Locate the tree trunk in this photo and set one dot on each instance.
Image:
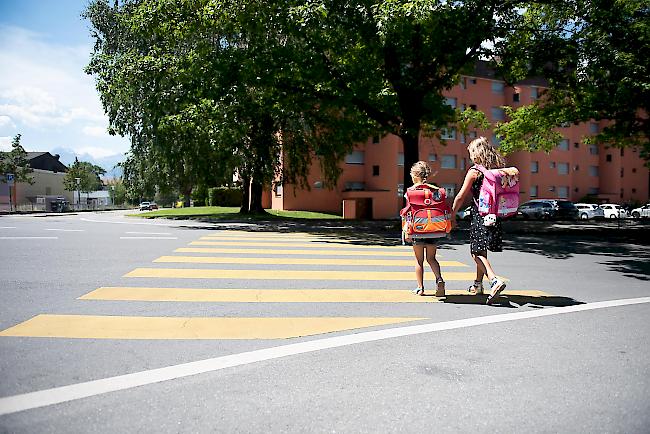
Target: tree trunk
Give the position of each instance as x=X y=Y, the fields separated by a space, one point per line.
x=256 y=196
x=187 y=195
x=410 y=135
x=245 y=197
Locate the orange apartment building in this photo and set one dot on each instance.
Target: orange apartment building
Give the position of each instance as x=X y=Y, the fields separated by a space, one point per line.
x=371 y=185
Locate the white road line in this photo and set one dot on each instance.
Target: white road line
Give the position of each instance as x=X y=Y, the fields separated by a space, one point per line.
x=66 y=230
x=148 y=238
x=149 y=233
x=29 y=238
x=7 y=227
x=57 y=395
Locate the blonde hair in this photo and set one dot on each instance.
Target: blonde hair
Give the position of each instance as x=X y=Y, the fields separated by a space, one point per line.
x=482 y=152
x=420 y=170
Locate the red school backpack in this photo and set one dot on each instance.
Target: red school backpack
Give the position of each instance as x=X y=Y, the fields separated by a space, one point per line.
x=426 y=214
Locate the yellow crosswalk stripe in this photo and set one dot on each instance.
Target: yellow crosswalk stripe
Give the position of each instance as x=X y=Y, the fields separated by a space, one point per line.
x=296 y=261
x=320 y=245
x=286 y=238
x=328 y=252
x=193 y=273
x=130 y=327
x=277 y=295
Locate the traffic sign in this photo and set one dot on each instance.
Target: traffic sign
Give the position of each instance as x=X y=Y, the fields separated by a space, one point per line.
x=10 y=179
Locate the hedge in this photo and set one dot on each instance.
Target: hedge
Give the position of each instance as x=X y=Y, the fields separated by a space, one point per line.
x=224 y=196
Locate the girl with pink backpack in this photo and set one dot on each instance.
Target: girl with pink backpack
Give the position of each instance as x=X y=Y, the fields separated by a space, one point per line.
x=485 y=229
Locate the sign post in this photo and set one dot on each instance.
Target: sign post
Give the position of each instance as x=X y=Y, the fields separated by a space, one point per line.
x=10 y=183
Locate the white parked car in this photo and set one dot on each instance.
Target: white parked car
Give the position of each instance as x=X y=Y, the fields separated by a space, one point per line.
x=641 y=212
x=588 y=211
x=613 y=211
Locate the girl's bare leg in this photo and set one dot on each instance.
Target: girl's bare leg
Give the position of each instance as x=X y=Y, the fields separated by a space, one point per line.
x=419 y=260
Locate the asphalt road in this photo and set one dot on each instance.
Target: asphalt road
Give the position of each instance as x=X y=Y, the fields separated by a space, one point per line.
x=116 y=324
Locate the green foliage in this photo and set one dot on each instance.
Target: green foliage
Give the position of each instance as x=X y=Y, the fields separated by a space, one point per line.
x=224 y=196
x=595 y=55
x=16 y=162
x=83 y=176
x=118 y=191
x=200 y=195
x=527 y=130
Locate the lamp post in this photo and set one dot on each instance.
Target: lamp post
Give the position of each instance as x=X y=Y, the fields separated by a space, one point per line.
x=112 y=195
x=78 y=181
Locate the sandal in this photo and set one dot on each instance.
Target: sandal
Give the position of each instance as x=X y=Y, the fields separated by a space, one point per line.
x=418 y=291
x=440 y=288
x=476 y=288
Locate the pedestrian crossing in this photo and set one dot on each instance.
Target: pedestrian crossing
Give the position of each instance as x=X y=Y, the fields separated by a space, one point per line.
x=258 y=268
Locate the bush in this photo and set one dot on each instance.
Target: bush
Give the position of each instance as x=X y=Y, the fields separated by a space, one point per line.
x=200 y=195
x=224 y=196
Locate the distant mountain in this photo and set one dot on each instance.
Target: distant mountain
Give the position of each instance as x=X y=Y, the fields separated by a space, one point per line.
x=67 y=156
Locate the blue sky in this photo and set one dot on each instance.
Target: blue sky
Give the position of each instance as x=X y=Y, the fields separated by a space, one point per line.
x=44 y=93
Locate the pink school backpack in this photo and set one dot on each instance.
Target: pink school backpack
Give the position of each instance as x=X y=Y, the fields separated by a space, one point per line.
x=499 y=193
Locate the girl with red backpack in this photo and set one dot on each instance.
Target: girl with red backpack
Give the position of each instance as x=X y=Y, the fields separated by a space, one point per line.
x=484 y=235
x=423 y=233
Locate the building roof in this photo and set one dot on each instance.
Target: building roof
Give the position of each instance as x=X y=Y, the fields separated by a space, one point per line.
x=46 y=161
x=483 y=69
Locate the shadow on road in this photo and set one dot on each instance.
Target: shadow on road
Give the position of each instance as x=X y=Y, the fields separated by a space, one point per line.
x=514 y=301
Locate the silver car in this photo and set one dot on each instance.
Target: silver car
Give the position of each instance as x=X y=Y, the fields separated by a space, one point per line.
x=587 y=211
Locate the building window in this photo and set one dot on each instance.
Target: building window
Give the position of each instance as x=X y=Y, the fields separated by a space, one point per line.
x=593 y=149
x=593 y=127
x=448 y=134
x=534 y=167
x=533 y=191
x=463 y=163
x=375 y=170
x=472 y=106
x=593 y=191
x=515 y=97
x=463 y=83
x=433 y=157
x=355 y=186
x=355 y=157
x=448 y=162
x=533 y=92
x=497 y=87
x=278 y=190
x=593 y=170
x=622 y=172
x=375 y=139
x=451 y=102
x=552 y=165
x=498 y=114
x=608 y=158
x=622 y=152
x=576 y=145
x=472 y=134
x=472 y=80
x=450 y=189
x=318 y=185
x=576 y=167
x=564 y=145
x=563 y=168
x=496 y=141
x=400 y=190
x=461 y=138
x=400 y=159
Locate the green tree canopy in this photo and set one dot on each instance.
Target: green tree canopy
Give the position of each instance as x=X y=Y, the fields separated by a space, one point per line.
x=15 y=162
x=595 y=55
x=83 y=176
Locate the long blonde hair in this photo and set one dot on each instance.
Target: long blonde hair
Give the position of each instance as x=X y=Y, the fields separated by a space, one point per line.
x=482 y=152
x=420 y=170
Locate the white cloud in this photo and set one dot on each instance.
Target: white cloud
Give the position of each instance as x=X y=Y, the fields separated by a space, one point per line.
x=5 y=144
x=46 y=95
x=96 y=152
x=94 y=131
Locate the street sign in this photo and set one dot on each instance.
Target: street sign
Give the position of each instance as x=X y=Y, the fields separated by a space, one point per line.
x=10 y=179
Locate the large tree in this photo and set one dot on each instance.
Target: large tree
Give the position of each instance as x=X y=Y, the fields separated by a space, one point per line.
x=83 y=176
x=596 y=57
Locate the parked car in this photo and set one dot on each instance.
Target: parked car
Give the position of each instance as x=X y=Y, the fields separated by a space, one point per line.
x=535 y=210
x=588 y=211
x=548 y=209
x=464 y=214
x=153 y=205
x=613 y=211
x=641 y=212
x=145 y=206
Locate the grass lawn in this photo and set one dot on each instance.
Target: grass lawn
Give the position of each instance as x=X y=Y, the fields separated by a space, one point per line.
x=232 y=213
